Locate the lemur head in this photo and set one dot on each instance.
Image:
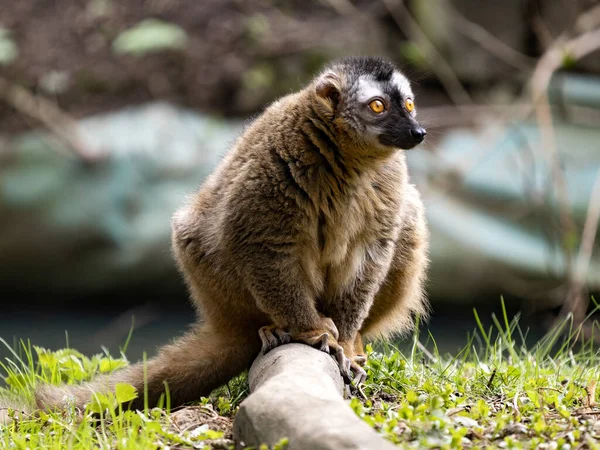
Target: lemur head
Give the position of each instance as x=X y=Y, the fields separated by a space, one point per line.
x=372 y=100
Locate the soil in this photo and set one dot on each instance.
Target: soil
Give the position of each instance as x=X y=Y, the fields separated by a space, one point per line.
x=188 y=419
x=239 y=54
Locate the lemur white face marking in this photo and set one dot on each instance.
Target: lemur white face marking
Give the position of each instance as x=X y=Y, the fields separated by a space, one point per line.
x=402 y=84
x=367 y=89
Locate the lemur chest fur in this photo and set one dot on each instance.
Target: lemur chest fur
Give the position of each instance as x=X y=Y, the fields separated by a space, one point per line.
x=352 y=232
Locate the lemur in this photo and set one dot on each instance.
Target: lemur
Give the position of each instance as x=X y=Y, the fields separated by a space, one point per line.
x=308 y=231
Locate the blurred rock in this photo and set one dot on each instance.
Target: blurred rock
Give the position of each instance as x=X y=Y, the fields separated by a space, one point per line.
x=80 y=227
x=72 y=226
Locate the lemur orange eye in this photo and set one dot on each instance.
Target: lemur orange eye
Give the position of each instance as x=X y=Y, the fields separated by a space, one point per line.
x=409 y=105
x=377 y=106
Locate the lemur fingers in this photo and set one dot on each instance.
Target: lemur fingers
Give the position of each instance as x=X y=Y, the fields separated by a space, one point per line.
x=361 y=360
x=272 y=336
x=360 y=375
x=324 y=339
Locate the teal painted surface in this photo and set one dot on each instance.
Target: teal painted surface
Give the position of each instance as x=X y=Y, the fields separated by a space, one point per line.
x=99 y=227
x=496 y=218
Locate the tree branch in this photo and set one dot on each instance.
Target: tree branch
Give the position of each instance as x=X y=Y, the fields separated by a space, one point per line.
x=296 y=393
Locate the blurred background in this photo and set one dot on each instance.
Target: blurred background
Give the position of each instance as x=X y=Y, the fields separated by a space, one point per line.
x=111 y=112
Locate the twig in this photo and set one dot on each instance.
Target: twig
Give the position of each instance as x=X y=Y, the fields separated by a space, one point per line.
x=469 y=115
x=584 y=411
x=539 y=28
x=588 y=238
x=575 y=48
x=439 y=65
x=515 y=404
x=590 y=392
x=427 y=352
x=452 y=411
x=343 y=7
x=588 y=20
x=515 y=112
x=548 y=389
x=551 y=61
x=48 y=114
x=489 y=42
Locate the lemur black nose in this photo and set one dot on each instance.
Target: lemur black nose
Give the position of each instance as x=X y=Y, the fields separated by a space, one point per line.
x=418 y=133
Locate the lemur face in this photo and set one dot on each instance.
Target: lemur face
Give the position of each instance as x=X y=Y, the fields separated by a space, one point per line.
x=384 y=110
x=375 y=101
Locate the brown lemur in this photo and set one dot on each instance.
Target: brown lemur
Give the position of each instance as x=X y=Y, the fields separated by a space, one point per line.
x=308 y=231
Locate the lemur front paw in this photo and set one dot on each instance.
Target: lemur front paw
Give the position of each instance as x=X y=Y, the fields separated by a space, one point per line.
x=353 y=365
x=361 y=360
x=272 y=336
x=355 y=360
x=325 y=339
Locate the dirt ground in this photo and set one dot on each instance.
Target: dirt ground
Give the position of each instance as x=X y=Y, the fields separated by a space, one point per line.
x=239 y=54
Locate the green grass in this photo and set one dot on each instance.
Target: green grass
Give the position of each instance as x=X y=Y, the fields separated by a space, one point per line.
x=495 y=393
x=204 y=425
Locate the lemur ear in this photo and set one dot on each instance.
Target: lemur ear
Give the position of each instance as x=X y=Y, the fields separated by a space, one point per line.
x=329 y=87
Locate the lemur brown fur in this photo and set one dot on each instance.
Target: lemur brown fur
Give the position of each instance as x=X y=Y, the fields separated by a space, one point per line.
x=306 y=231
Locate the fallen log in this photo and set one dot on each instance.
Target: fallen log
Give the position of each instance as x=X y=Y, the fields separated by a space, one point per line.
x=296 y=392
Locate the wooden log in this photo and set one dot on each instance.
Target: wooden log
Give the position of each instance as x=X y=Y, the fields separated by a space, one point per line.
x=296 y=392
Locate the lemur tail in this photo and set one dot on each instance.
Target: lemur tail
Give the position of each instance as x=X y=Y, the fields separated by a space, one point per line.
x=192 y=366
x=19 y=406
